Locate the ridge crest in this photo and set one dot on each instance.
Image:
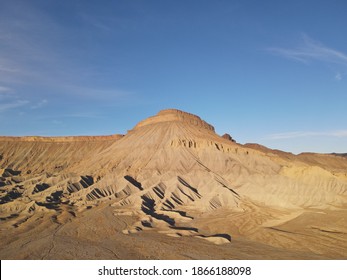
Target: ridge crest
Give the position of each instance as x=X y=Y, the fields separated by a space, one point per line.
x=175 y=115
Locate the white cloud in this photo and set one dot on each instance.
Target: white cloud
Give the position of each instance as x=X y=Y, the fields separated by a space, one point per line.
x=339 y=133
x=301 y=134
x=56 y=122
x=6 y=69
x=11 y=105
x=95 y=22
x=311 y=50
x=5 y=90
x=28 y=50
x=6 y=93
x=31 y=56
x=338 y=76
x=97 y=93
x=40 y=104
x=10 y=100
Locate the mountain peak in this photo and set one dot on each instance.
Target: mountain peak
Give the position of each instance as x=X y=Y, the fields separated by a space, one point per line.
x=173 y=176
x=174 y=115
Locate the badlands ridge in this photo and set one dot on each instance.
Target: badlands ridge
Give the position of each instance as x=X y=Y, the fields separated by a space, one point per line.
x=171 y=188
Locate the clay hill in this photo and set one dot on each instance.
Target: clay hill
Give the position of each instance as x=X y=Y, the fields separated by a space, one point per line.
x=171 y=188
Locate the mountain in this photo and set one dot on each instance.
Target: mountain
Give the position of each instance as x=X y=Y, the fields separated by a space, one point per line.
x=341 y=155
x=170 y=188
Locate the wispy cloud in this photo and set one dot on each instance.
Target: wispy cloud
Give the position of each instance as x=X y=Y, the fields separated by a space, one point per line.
x=65 y=117
x=10 y=100
x=311 y=50
x=31 y=51
x=42 y=58
x=40 y=104
x=25 y=50
x=5 y=89
x=301 y=134
x=6 y=69
x=11 y=105
x=88 y=115
x=100 y=24
x=338 y=76
x=97 y=93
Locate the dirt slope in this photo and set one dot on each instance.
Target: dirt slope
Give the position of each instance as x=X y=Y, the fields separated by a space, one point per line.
x=172 y=181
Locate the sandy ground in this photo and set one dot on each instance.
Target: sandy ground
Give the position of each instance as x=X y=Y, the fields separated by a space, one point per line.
x=97 y=234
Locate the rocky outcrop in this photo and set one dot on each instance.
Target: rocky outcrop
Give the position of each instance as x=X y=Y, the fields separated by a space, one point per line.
x=172 y=115
x=228 y=137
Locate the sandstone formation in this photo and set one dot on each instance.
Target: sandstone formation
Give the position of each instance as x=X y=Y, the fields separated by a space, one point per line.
x=228 y=137
x=170 y=183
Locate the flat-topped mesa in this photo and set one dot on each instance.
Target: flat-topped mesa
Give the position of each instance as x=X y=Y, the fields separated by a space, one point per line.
x=174 y=115
x=60 y=138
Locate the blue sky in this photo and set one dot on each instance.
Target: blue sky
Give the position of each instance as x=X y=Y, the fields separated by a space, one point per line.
x=270 y=72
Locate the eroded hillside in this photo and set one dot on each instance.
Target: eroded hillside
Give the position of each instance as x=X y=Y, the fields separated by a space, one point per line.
x=172 y=181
